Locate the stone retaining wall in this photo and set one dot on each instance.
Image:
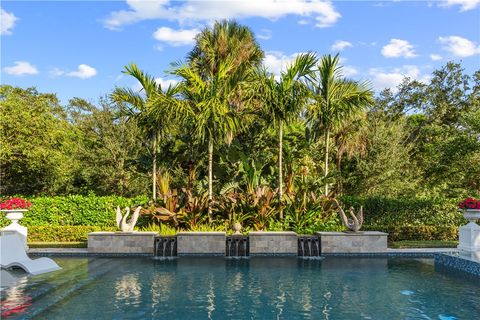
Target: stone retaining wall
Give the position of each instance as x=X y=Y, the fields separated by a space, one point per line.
x=353 y=242
x=268 y=242
x=121 y=242
x=208 y=243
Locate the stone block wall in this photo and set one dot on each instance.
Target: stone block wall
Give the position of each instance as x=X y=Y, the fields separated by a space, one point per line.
x=212 y=243
x=121 y=242
x=353 y=242
x=268 y=242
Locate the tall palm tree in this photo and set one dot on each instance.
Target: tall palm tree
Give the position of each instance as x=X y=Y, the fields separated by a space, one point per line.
x=334 y=100
x=215 y=78
x=154 y=126
x=283 y=99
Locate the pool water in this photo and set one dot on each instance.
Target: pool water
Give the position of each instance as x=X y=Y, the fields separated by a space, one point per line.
x=255 y=288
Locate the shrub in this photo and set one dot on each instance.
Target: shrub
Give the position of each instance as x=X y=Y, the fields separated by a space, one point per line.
x=408 y=211
x=63 y=233
x=425 y=232
x=75 y=210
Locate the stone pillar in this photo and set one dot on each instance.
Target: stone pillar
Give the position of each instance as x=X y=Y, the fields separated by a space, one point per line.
x=469 y=237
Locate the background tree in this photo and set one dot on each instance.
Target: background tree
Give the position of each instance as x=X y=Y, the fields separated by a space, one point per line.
x=334 y=100
x=155 y=127
x=38 y=143
x=217 y=68
x=109 y=150
x=282 y=100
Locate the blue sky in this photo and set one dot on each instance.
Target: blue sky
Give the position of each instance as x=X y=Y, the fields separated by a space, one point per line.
x=79 y=48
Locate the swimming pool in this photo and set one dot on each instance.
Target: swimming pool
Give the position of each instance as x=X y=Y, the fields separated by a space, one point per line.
x=254 y=288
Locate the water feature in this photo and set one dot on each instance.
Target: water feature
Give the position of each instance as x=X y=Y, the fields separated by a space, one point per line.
x=237 y=246
x=308 y=246
x=165 y=246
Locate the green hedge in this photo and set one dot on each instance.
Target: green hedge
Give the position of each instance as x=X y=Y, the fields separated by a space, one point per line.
x=75 y=210
x=71 y=218
x=408 y=211
x=425 y=232
x=63 y=233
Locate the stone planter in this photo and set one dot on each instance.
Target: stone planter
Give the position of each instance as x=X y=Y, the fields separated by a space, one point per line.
x=201 y=243
x=122 y=242
x=14 y=216
x=273 y=243
x=353 y=242
x=472 y=215
x=469 y=234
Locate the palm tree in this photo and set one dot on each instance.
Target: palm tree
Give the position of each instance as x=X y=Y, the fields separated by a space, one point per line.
x=283 y=99
x=334 y=100
x=155 y=125
x=215 y=78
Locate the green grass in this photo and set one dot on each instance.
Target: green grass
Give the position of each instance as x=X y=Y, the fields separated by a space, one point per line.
x=79 y=244
x=423 y=244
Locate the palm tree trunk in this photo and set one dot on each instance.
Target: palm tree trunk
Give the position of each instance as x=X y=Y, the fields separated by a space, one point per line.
x=154 y=169
x=210 y=178
x=280 y=168
x=327 y=139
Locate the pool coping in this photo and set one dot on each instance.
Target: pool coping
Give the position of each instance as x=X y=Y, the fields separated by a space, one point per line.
x=415 y=252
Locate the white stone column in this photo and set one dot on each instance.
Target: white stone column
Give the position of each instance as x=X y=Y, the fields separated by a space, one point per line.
x=469 y=238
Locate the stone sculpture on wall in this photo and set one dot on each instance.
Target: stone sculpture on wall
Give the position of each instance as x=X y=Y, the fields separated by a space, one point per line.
x=355 y=221
x=122 y=223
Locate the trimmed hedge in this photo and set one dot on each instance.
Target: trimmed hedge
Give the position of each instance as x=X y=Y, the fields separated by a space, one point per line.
x=408 y=211
x=63 y=233
x=424 y=232
x=71 y=218
x=75 y=210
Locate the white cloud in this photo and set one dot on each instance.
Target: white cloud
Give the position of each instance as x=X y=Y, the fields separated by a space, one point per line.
x=465 y=5
x=21 y=68
x=264 y=34
x=435 y=57
x=398 y=48
x=340 y=45
x=56 y=72
x=382 y=79
x=323 y=12
x=176 y=37
x=7 y=22
x=276 y=61
x=349 y=71
x=458 y=46
x=83 y=71
x=165 y=83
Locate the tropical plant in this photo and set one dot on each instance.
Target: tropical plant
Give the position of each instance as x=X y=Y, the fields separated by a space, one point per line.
x=213 y=78
x=282 y=101
x=155 y=123
x=334 y=100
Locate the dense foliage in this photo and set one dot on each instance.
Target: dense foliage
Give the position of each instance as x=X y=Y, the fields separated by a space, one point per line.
x=75 y=210
x=232 y=142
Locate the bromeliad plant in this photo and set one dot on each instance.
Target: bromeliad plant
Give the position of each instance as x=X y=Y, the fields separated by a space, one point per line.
x=469 y=203
x=15 y=203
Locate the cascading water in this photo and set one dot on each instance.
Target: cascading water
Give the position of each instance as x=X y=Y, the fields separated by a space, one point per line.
x=237 y=246
x=165 y=247
x=308 y=246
